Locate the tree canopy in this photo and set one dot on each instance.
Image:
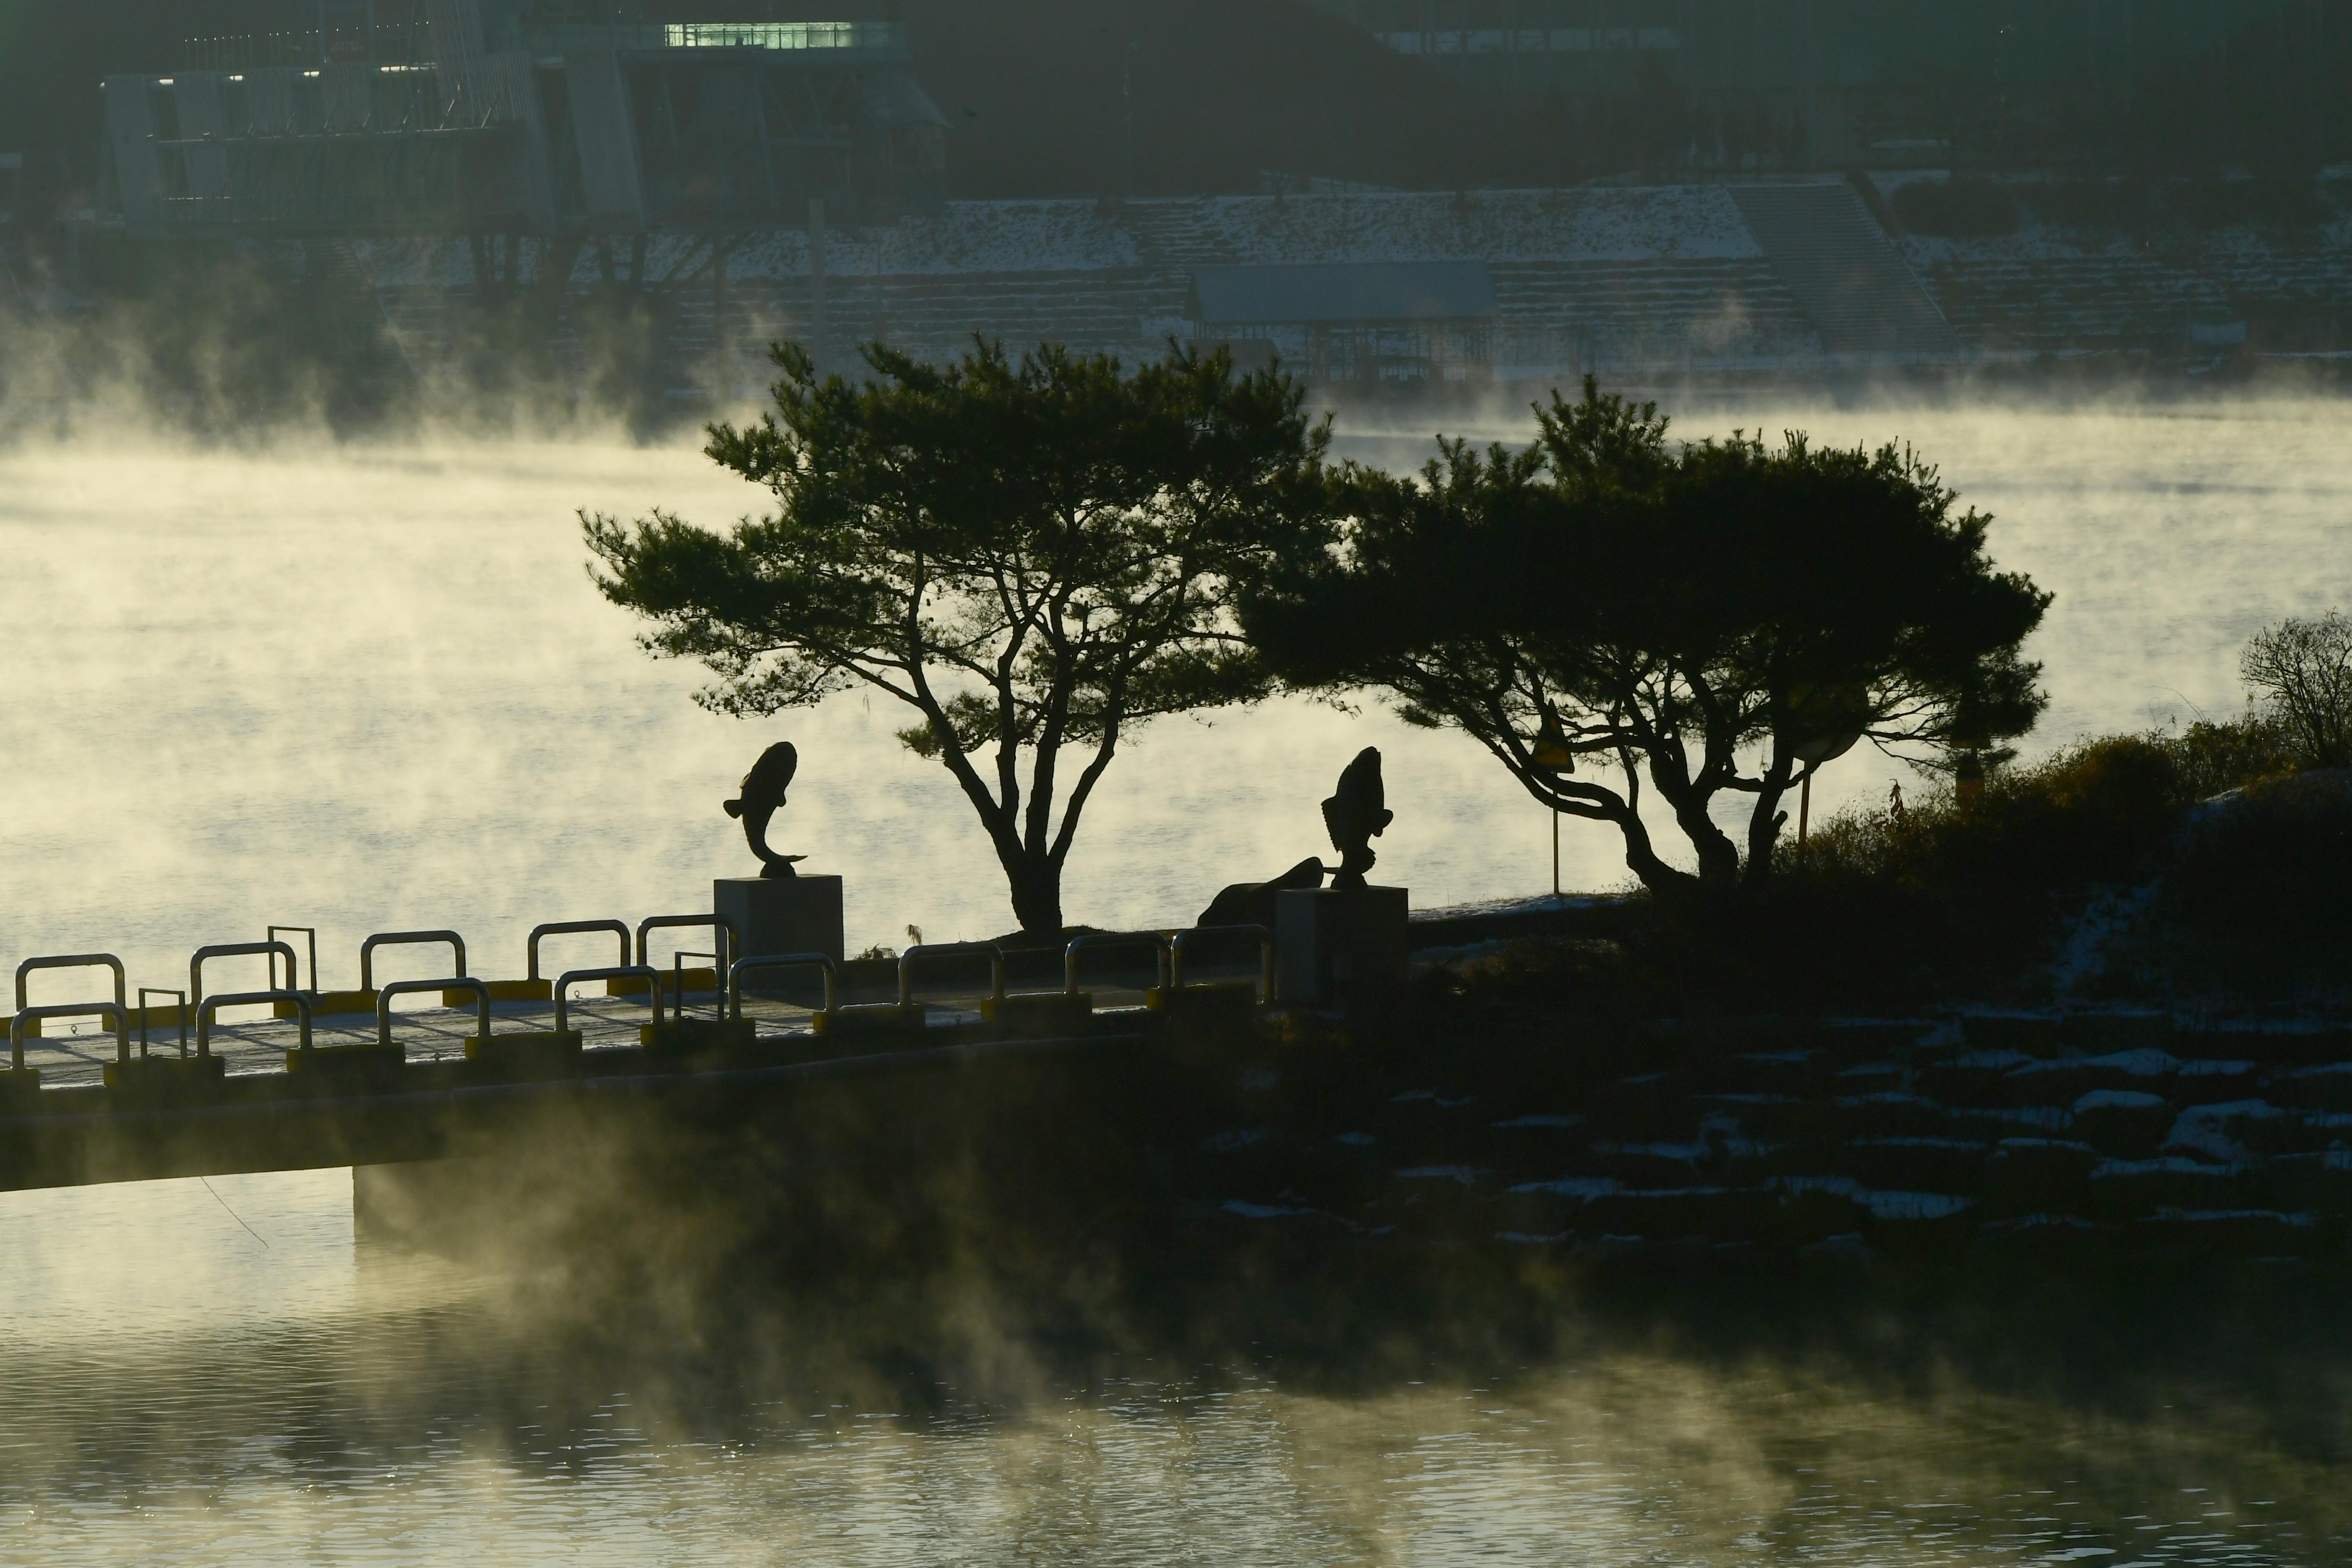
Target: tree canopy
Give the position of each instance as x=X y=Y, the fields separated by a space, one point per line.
x=1711 y=617
x=1035 y=555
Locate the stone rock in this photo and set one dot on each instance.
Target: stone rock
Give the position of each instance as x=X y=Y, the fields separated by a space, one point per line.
x=2270 y=1045
x=2025 y=1034
x=2066 y=1080
x=1920 y=1221
x=2049 y=1237
x=1757 y=1116
x=2327 y=1087
x=1524 y=1148
x=2239 y=1233
x=2038 y=1175
x=1851 y=1040
x=1870 y=1078
x=1798 y=1073
x=2117 y=1029
x=1722 y=1213
x=2122 y=1123
x=1550 y=1208
x=1950 y=1165
x=1884 y=1116
x=1974 y=1078
x=2013 y=1122
x=1651 y=1166
x=2319 y=1183
x=1847 y=1248
x=2230 y=1132
x=2128 y=1189
x=2205 y=1081
x=1644 y=1105
x=1424 y=1127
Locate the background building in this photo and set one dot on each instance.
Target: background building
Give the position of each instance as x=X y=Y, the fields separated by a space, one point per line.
x=1744 y=84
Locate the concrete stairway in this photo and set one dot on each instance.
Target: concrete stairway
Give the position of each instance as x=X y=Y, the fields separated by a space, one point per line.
x=1844 y=271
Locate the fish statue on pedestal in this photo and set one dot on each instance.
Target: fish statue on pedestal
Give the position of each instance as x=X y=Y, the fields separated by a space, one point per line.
x=763 y=794
x=1356 y=814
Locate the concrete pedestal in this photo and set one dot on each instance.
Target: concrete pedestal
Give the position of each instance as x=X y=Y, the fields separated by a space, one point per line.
x=781 y=914
x=1339 y=947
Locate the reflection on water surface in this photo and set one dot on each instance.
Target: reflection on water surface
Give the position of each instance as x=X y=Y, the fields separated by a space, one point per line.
x=175 y=1399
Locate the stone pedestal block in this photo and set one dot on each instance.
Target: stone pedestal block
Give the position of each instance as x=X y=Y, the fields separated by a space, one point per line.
x=1339 y=947
x=781 y=914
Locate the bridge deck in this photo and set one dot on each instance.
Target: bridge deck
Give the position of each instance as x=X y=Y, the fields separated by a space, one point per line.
x=258 y=1045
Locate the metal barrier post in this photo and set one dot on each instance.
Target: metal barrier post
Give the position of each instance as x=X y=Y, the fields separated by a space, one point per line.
x=614 y=972
x=408 y=988
x=116 y=1010
x=1265 y=956
x=211 y=1006
x=405 y=938
x=723 y=928
x=823 y=961
x=562 y=928
x=70 y=960
x=180 y=1012
x=1159 y=940
x=294 y=982
x=930 y=950
x=237 y=950
x=677 y=980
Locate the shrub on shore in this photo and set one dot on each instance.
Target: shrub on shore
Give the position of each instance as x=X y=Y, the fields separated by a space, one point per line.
x=1969 y=893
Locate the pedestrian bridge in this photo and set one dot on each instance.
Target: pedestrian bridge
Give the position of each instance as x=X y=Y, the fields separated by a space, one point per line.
x=286 y=1076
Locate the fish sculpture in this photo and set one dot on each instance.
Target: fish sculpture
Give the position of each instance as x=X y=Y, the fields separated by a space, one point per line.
x=763 y=794
x=1356 y=814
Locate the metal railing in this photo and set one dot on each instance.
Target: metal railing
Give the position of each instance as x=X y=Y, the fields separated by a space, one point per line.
x=210 y=1005
x=570 y=977
x=568 y=928
x=942 y=950
x=241 y=949
x=25 y=1016
x=294 y=982
x=721 y=926
x=69 y=961
x=179 y=1011
x=1159 y=953
x=409 y=987
x=822 y=961
x=408 y=939
x=1265 y=954
x=677 y=980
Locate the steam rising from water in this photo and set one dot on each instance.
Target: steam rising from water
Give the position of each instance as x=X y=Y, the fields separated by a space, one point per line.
x=280 y=1409
x=370 y=688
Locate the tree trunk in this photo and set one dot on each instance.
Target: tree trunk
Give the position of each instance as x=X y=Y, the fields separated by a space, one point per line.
x=1641 y=859
x=1036 y=884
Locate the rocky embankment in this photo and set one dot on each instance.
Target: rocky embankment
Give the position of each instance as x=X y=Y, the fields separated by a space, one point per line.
x=2074 y=1136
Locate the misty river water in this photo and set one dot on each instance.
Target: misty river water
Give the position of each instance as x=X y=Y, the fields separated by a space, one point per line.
x=367 y=688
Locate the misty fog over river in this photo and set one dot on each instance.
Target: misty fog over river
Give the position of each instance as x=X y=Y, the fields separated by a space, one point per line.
x=370 y=688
